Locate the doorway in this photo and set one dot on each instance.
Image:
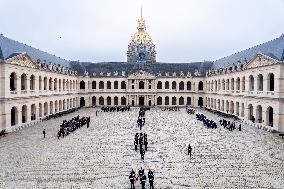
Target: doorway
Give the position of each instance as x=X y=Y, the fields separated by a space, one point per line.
x=141 y=101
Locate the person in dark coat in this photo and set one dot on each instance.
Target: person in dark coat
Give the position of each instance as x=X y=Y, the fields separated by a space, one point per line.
x=143 y=181
x=151 y=179
x=240 y=127
x=142 y=153
x=43 y=132
x=135 y=144
x=189 y=150
x=132 y=180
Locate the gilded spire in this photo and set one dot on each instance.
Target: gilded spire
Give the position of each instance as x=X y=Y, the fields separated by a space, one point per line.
x=141 y=22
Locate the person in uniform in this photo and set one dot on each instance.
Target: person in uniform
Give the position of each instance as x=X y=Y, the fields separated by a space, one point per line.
x=189 y=150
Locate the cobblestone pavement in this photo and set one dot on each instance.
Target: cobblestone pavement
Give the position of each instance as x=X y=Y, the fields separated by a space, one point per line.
x=103 y=155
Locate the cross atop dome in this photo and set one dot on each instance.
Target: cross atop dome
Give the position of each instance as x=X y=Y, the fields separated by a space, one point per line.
x=141 y=22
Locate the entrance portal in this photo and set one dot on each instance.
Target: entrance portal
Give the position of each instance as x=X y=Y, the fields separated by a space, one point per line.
x=82 y=101
x=141 y=101
x=200 y=101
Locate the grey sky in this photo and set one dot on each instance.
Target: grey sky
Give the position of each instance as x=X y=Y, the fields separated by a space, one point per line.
x=183 y=30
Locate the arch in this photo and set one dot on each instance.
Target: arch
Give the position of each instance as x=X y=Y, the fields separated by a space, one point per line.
x=94 y=99
x=243 y=83
x=174 y=101
x=141 y=84
x=223 y=84
x=250 y=113
x=237 y=108
x=115 y=85
x=167 y=100
x=188 y=100
x=64 y=104
x=167 y=85
x=159 y=85
x=82 y=102
x=101 y=85
x=56 y=106
x=259 y=83
x=24 y=82
x=200 y=101
x=232 y=106
x=238 y=84
x=94 y=84
x=243 y=110
x=259 y=114
x=200 y=85
x=188 y=86
x=24 y=114
x=55 y=84
x=123 y=101
x=14 y=116
x=251 y=83
x=227 y=106
x=218 y=104
x=181 y=101
x=108 y=85
x=269 y=116
x=174 y=85
x=108 y=100
x=13 y=82
x=101 y=101
x=60 y=105
x=51 y=107
x=181 y=86
x=115 y=100
x=123 y=85
x=232 y=84
x=50 y=83
x=82 y=84
x=33 y=112
x=159 y=101
x=227 y=84
x=45 y=109
x=40 y=83
x=270 y=82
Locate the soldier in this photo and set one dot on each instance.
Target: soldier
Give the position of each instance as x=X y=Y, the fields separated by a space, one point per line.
x=132 y=179
x=240 y=127
x=146 y=144
x=135 y=144
x=142 y=152
x=143 y=181
x=43 y=132
x=151 y=179
x=141 y=173
x=189 y=150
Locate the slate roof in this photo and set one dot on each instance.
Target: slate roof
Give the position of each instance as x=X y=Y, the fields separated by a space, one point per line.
x=273 y=48
x=9 y=47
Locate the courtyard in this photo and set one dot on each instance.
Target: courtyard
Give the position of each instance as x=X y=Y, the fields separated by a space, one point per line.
x=103 y=155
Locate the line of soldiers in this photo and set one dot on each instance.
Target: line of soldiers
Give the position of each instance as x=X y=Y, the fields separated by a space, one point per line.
x=141 y=139
x=174 y=108
x=206 y=122
x=115 y=108
x=142 y=177
x=229 y=125
x=70 y=126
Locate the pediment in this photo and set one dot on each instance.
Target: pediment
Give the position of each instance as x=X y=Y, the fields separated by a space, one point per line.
x=260 y=60
x=23 y=60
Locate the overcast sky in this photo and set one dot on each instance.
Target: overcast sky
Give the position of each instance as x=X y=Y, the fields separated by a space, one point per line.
x=182 y=30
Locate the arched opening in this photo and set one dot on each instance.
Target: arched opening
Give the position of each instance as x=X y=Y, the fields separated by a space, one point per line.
x=181 y=101
x=237 y=108
x=251 y=83
x=108 y=101
x=50 y=84
x=60 y=105
x=232 y=84
x=82 y=102
x=24 y=114
x=32 y=83
x=45 y=109
x=82 y=84
x=45 y=83
x=218 y=104
x=188 y=100
x=94 y=99
x=227 y=106
x=167 y=100
x=159 y=85
x=123 y=85
x=188 y=86
x=56 y=106
x=115 y=85
x=223 y=84
x=40 y=110
x=94 y=84
x=181 y=86
x=13 y=81
x=141 y=100
x=141 y=84
x=270 y=83
x=200 y=85
x=260 y=82
x=64 y=105
x=150 y=103
x=50 y=107
x=243 y=83
x=200 y=101
x=101 y=85
x=123 y=101
x=174 y=101
x=167 y=85
x=232 y=106
x=101 y=101
x=115 y=100
x=55 y=84
x=238 y=84
x=259 y=114
x=40 y=83
x=24 y=82
x=250 y=113
x=14 y=116
x=159 y=101
x=269 y=116
x=33 y=112
x=227 y=84
x=174 y=85
x=108 y=85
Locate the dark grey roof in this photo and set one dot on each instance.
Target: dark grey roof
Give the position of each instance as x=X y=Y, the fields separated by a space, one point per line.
x=273 y=48
x=129 y=68
x=9 y=46
x=13 y=54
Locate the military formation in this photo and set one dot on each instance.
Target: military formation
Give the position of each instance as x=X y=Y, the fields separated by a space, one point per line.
x=141 y=139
